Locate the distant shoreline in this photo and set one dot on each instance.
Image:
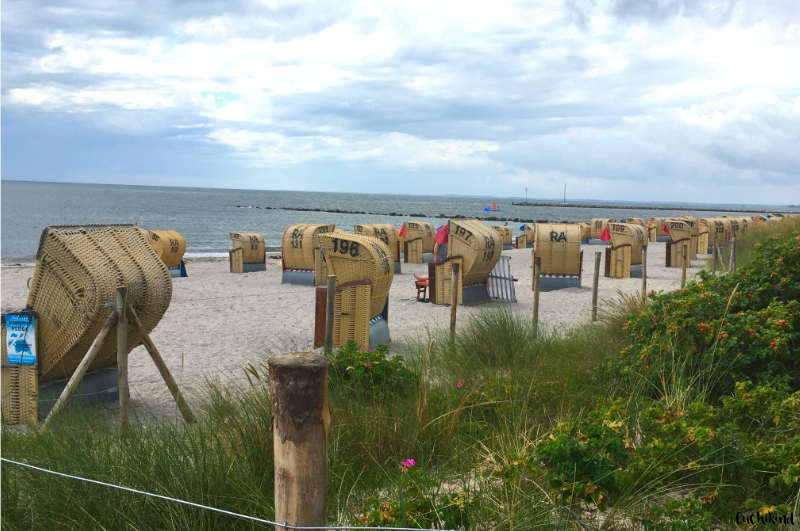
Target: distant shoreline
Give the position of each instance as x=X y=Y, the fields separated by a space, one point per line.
x=636 y=207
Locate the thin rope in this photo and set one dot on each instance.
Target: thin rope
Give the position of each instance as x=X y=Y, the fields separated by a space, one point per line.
x=200 y=506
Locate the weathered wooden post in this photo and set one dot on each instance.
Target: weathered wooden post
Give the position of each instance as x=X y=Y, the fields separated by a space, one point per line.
x=122 y=356
x=454 y=288
x=684 y=261
x=714 y=259
x=329 y=311
x=597 y=257
x=537 y=267
x=644 y=272
x=732 y=263
x=301 y=423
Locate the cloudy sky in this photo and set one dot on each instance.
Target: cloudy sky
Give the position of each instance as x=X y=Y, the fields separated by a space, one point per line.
x=674 y=100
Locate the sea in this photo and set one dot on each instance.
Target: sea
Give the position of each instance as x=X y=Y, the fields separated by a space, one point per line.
x=206 y=216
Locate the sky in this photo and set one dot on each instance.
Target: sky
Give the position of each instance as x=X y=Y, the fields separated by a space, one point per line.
x=637 y=100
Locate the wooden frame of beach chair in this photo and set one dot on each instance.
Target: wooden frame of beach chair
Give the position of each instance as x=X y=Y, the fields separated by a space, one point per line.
x=681 y=234
x=440 y=280
x=412 y=251
x=623 y=259
x=522 y=242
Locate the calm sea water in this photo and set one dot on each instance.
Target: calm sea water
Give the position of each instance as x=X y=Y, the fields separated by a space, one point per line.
x=205 y=217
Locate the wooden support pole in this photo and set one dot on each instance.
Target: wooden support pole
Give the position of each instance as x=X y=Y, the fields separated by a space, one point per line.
x=455 y=286
x=732 y=263
x=644 y=272
x=122 y=356
x=77 y=376
x=714 y=258
x=301 y=424
x=684 y=262
x=597 y=257
x=537 y=268
x=162 y=367
x=330 y=309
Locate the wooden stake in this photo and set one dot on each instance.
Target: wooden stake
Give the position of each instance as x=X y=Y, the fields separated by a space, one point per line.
x=597 y=257
x=454 y=289
x=644 y=272
x=714 y=259
x=537 y=267
x=301 y=424
x=122 y=356
x=162 y=367
x=77 y=376
x=330 y=309
x=732 y=263
x=684 y=260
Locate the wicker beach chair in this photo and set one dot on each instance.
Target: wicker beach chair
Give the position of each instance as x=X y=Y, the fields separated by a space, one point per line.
x=303 y=262
x=170 y=247
x=559 y=247
x=624 y=257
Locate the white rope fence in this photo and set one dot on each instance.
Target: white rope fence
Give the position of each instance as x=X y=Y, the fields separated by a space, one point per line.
x=206 y=507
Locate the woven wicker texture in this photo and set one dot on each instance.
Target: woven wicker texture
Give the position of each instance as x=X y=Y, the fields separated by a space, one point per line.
x=522 y=241
x=237 y=264
x=299 y=242
x=421 y=229
x=529 y=231
x=357 y=257
x=559 y=246
x=414 y=251
x=78 y=270
x=20 y=389
x=478 y=245
x=679 y=230
x=253 y=246
x=635 y=221
x=505 y=234
x=619 y=261
x=320 y=268
x=168 y=245
x=351 y=315
x=586 y=230
x=385 y=232
x=629 y=234
x=597 y=226
x=444 y=281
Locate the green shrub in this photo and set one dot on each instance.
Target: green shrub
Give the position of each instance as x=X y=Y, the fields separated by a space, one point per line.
x=370 y=373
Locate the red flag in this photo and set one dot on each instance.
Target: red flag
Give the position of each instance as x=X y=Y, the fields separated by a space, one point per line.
x=606 y=235
x=666 y=229
x=403 y=231
x=441 y=235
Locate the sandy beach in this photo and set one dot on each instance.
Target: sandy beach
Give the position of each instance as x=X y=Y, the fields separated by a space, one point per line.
x=219 y=321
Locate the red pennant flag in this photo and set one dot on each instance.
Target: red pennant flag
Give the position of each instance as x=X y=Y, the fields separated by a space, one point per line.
x=606 y=235
x=403 y=231
x=666 y=229
x=441 y=235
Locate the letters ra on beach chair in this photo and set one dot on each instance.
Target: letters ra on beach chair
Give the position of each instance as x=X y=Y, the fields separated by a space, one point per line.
x=364 y=272
x=419 y=242
x=387 y=233
x=559 y=247
x=170 y=247
x=505 y=236
x=476 y=247
x=624 y=255
x=75 y=280
x=249 y=252
x=303 y=262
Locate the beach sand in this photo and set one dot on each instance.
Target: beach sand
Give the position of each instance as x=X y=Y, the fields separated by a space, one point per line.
x=219 y=321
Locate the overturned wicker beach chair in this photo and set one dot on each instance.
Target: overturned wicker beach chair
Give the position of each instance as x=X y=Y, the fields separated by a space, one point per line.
x=249 y=252
x=302 y=261
x=559 y=247
x=624 y=257
x=170 y=247
x=364 y=272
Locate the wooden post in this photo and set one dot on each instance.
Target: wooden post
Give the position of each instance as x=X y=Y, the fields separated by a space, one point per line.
x=684 y=260
x=162 y=367
x=77 y=376
x=122 y=356
x=732 y=263
x=301 y=424
x=330 y=309
x=714 y=258
x=597 y=257
x=644 y=272
x=537 y=267
x=455 y=285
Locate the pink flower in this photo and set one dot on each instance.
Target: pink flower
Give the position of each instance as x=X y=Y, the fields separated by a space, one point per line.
x=409 y=463
x=459 y=384
x=649 y=293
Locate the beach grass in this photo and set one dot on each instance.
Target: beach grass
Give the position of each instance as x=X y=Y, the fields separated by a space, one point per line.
x=746 y=244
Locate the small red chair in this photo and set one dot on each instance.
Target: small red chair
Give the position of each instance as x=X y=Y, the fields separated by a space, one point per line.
x=422 y=288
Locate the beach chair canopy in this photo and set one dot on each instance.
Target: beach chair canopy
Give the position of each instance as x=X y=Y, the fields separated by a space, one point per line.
x=559 y=247
x=478 y=244
x=298 y=244
x=421 y=229
x=629 y=234
x=504 y=232
x=168 y=245
x=597 y=226
x=385 y=232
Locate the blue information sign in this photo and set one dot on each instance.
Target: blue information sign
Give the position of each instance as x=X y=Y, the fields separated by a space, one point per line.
x=21 y=339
